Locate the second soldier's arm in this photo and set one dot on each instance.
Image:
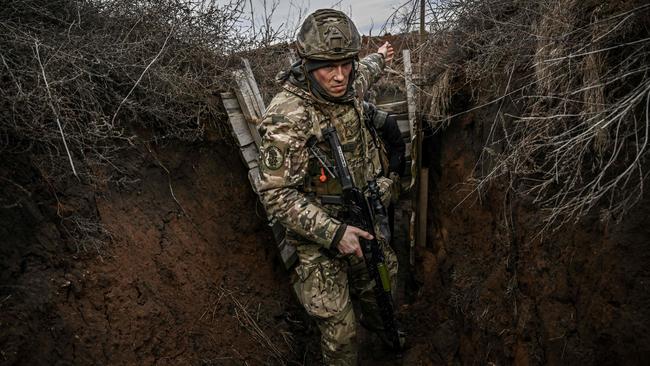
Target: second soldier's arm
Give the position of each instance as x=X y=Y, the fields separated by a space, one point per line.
x=391 y=136
x=395 y=146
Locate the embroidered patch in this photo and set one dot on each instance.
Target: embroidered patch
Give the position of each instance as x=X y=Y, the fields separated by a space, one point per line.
x=273 y=158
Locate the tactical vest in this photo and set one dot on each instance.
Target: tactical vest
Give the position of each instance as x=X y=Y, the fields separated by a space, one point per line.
x=359 y=147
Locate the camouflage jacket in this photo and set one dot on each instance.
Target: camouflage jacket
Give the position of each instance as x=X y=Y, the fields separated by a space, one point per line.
x=291 y=177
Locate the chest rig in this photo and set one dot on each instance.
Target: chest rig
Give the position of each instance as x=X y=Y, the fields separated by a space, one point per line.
x=359 y=146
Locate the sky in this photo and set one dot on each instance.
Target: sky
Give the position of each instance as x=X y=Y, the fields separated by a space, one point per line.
x=367 y=15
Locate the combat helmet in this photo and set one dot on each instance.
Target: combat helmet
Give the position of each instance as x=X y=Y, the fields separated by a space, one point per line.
x=328 y=35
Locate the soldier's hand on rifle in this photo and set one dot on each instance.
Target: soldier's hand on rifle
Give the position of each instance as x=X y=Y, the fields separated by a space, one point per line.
x=387 y=50
x=349 y=243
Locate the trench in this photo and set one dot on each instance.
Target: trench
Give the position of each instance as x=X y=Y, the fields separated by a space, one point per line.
x=214 y=292
x=193 y=278
x=486 y=288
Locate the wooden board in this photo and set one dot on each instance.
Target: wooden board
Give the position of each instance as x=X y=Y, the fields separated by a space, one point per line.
x=394 y=107
x=257 y=96
x=422 y=207
x=410 y=91
x=288 y=254
x=254 y=179
x=238 y=122
x=248 y=103
x=250 y=155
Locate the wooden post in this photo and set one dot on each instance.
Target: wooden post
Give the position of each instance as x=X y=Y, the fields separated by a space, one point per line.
x=418 y=220
x=423 y=195
x=410 y=91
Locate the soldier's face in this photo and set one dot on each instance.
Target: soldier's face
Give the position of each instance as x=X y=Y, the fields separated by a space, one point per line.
x=334 y=78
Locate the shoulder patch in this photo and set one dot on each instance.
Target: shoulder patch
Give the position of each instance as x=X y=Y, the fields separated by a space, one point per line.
x=273 y=158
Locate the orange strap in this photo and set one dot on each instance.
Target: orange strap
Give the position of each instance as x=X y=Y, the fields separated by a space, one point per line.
x=323 y=177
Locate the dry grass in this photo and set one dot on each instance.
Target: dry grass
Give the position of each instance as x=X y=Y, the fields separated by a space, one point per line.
x=84 y=85
x=250 y=323
x=567 y=83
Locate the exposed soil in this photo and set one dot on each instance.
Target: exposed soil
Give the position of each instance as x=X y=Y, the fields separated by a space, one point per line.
x=179 y=283
x=190 y=275
x=499 y=293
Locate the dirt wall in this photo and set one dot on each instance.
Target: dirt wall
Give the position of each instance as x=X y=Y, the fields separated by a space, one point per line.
x=189 y=275
x=504 y=294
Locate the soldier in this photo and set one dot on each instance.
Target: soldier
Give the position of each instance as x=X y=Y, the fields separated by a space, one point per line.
x=325 y=89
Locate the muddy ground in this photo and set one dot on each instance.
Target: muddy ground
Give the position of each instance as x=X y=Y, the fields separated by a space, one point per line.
x=188 y=275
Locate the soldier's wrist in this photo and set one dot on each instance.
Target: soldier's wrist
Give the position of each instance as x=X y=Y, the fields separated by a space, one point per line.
x=337 y=236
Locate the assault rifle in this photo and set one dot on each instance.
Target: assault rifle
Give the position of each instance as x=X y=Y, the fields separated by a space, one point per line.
x=363 y=213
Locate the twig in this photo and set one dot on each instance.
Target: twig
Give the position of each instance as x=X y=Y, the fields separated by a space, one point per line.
x=169 y=179
x=594 y=51
x=56 y=115
x=250 y=324
x=140 y=78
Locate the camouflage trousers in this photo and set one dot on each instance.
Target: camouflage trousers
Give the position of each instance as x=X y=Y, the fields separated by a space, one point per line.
x=325 y=286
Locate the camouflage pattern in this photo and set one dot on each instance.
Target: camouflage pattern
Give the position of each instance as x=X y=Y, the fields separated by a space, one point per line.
x=324 y=288
x=328 y=34
x=290 y=189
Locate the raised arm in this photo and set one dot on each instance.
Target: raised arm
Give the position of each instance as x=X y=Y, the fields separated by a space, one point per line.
x=371 y=67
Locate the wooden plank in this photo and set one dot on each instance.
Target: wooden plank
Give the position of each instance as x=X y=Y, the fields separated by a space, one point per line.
x=394 y=107
x=422 y=207
x=279 y=231
x=287 y=252
x=245 y=107
x=412 y=239
x=228 y=95
x=231 y=104
x=257 y=96
x=254 y=178
x=407 y=171
x=245 y=95
x=250 y=154
x=410 y=90
x=410 y=97
x=240 y=129
x=247 y=103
